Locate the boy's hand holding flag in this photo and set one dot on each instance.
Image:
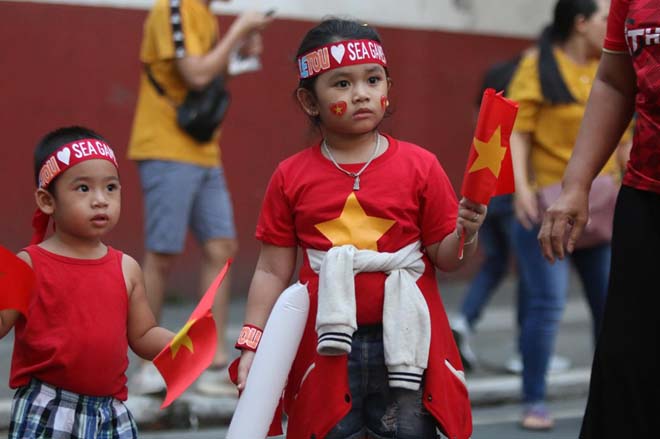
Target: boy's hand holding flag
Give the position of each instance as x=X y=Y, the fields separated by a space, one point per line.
x=489 y=169
x=193 y=347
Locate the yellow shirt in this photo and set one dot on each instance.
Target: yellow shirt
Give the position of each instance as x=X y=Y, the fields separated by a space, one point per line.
x=554 y=128
x=169 y=33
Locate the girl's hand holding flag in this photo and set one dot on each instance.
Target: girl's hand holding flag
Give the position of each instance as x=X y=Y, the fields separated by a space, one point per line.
x=471 y=216
x=489 y=169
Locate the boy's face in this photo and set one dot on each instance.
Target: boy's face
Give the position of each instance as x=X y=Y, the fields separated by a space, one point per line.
x=87 y=200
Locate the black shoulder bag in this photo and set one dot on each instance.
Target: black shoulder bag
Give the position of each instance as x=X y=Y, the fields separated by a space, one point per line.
x=201 y=112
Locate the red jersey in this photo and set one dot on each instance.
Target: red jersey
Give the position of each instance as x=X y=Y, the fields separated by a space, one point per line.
x=634 y=25
x=74 y=336
x=404 y=197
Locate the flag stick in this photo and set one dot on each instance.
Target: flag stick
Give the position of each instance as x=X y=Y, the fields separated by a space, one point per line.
x=461 y=245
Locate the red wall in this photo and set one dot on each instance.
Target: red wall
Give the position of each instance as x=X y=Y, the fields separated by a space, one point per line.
x=64 y=65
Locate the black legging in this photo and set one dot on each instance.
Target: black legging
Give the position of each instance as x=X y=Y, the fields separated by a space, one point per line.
x=625 y=377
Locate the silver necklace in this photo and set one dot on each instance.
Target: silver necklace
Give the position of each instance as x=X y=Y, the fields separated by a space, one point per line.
x=355 y=175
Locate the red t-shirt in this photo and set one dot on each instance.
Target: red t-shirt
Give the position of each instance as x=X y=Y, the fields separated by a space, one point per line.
x=405 y=196
x=74 y=336
x=633 y=26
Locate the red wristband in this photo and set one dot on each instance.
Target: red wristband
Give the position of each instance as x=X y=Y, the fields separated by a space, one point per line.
x=249 y=338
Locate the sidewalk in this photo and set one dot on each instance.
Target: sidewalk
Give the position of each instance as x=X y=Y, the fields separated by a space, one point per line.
x=490 y=383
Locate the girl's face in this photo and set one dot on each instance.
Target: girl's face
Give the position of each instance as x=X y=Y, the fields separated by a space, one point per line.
x=595 y=27
x=87 y=200
x=351 y=99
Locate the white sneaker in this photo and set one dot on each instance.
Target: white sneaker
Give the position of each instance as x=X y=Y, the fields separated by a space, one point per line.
x=557 y=364
x=461 y=332
x=216 y=382
x=146 y=381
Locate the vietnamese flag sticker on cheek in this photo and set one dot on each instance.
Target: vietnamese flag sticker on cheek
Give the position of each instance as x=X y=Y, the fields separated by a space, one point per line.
x=384 y=102
x=338 y=108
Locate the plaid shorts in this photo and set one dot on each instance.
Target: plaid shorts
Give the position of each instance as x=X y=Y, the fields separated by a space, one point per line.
x=43 y=411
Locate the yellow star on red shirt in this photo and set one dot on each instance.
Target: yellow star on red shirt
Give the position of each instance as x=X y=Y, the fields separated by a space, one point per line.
x=490 y=153
x=182 y=339
x=354 y=226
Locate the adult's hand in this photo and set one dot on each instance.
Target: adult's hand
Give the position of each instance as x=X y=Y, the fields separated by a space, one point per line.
x=252 y=46
x=568 y=215
x=249 y=22
x=525 y=206
x=198 y=71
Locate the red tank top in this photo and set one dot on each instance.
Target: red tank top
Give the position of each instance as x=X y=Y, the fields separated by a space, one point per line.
x=75 y=335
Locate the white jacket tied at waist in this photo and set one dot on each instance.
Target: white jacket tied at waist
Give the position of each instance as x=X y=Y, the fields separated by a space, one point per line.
x=406 y=320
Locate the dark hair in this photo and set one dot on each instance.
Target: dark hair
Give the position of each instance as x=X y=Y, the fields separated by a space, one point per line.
x=328 y=31
x=499 y=76
x=553 y=85
x=53 y=140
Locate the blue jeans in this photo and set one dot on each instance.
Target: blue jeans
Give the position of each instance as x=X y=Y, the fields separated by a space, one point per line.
x=545 y=288
x=495 y=241
x=377 y=409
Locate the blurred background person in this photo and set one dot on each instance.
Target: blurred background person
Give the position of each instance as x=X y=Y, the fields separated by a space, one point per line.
x=552 y=85
x=623 y=395
x=182 y=178
x=495 y=243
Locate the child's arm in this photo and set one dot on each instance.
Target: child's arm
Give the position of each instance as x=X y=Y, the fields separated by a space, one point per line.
x=444 y=254
x=271 y=276
x=145 y=337
x=8 y=317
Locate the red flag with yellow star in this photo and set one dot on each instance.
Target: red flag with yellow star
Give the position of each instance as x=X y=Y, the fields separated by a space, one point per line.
x=192 y=349
x=489 y=170
x=16 y=282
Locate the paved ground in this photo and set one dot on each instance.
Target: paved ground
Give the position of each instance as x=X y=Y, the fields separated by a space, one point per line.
x=491 y=422
x=490 y=386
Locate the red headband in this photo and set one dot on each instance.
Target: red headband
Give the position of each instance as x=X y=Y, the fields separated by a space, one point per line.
x=340 y=54
x=65 y=157
x=70 y=155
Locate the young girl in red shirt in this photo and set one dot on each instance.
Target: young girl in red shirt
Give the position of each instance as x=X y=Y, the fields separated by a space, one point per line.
x=366 y=209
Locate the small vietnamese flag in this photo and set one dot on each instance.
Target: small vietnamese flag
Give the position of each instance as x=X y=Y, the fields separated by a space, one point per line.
x=191 y=351
x=16 y=282
x=489 y=169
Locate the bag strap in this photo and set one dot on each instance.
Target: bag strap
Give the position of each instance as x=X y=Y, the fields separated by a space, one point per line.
x=159 y=88
x=156 y=85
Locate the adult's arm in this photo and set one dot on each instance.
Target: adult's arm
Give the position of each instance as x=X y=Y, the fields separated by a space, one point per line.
x=524 y=200
x=198 y=71
x=609 y=110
